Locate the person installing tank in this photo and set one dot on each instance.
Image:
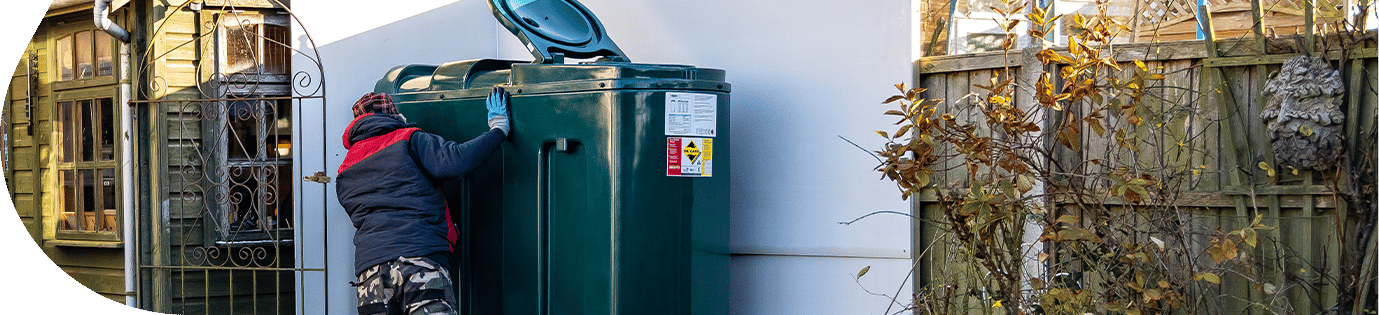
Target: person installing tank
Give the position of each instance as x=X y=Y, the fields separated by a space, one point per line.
x=389 y=184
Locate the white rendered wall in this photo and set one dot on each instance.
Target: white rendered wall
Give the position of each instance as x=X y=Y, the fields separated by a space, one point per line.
x=803 y=73
x=358 y=42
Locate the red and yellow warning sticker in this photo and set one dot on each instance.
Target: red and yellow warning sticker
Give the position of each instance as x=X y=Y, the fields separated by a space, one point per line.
x=689 y=157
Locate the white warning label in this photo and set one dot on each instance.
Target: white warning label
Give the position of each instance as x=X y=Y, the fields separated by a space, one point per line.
x=691 y=114
x=689 y=157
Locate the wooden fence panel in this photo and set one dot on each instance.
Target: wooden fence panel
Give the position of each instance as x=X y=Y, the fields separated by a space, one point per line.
x=958 y=85
x=1206 y=139
x=937 y=88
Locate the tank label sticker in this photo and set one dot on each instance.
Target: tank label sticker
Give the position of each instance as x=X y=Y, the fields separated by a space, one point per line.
x=689 y=157
x=691 y=114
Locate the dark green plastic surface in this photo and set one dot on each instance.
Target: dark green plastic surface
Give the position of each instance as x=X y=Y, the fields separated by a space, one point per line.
x=553 y=29
x=576 y=215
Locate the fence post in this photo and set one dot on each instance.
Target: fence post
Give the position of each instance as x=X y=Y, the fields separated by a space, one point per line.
x=1257 y=12
x=1309 y=16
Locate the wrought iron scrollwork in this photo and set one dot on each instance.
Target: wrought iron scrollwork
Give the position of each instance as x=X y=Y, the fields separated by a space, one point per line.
x=225 y=139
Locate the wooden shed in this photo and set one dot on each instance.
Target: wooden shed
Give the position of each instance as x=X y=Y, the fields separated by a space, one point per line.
x=157 y=171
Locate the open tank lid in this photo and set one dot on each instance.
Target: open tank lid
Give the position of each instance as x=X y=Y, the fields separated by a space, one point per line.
x=553 y=29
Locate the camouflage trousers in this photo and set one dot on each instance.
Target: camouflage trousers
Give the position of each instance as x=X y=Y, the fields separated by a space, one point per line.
x=415 y=285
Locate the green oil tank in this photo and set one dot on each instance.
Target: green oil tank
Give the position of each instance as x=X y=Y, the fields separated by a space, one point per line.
x=610 y=196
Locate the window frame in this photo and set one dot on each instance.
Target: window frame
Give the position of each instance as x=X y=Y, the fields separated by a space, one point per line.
x=71 y=30
x=267 y=156
x=230 y=19
x=100 y=238
x=246 y=86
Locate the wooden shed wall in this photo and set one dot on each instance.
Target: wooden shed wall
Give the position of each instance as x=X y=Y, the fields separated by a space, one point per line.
x=30 y=178
x=173 y=59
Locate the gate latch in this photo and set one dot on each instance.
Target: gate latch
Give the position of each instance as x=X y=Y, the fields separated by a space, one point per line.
x=319 y=177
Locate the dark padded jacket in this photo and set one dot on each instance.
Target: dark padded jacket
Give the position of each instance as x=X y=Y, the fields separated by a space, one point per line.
x=387 y=184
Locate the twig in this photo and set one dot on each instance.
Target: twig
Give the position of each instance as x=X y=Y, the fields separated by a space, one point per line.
x=880 y=212
x=873 y=154
x=912 y=270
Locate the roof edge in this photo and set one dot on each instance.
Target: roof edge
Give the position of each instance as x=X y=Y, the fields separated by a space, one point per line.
x=60 y=7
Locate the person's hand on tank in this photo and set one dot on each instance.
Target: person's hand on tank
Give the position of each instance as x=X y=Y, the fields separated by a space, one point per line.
x=498 y=111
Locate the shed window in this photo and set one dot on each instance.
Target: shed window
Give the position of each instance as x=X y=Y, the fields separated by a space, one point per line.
x=258 y=161
x=254 y=44
x=253 y=130
x=84 y=182
x=84 y=55
x=86 y=168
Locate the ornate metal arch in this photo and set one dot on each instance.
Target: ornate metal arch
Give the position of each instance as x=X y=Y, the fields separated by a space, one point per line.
x=224 y=106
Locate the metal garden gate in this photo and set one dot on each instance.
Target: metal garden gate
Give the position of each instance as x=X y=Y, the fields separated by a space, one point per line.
x=219 y=118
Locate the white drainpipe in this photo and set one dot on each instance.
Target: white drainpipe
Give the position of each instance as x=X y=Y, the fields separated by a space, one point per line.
x=127 y=123
x=103 y=22
x=101 y=15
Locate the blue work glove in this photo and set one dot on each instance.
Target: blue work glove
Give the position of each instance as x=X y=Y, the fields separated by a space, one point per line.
x=498 y=111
